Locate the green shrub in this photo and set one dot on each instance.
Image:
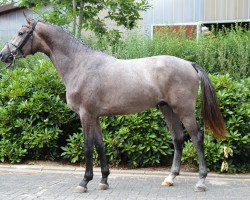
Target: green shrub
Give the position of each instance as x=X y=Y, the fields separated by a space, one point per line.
x=74 y=150
x=226 y=52
x=137 y=140
x=32 y=113
x=213 y=153
x=235 y=105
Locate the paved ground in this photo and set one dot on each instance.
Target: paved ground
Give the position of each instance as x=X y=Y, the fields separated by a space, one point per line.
x=44 y=182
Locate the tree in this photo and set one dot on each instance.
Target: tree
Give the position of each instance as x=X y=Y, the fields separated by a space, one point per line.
x=123 y=13
x=3 y=2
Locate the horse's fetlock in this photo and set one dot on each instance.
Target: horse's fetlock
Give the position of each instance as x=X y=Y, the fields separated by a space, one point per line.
x=203 y=174
x=88 y=176
x=175 y=173
x=105 y=172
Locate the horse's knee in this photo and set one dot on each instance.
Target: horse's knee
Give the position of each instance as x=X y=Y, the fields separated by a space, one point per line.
x=88 y=152
x=178 y=142
x=99 y=145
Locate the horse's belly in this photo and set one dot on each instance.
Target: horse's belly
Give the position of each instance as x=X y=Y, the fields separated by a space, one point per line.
x=129 y=102
x=124 y=110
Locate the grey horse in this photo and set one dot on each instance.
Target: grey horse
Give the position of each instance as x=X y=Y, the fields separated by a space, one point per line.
x=99 y=85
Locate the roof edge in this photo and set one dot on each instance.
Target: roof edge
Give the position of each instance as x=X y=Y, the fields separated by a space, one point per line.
x=8 y=8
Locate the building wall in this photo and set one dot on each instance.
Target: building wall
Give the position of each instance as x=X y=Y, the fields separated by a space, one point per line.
x=11 y=22
x=174 y=11
x=191 y=11
x=226 y=10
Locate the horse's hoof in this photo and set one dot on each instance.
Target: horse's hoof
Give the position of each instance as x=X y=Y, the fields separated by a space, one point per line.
x=167 y=183
x=80 y=189
x=103 y=186
x=200 y=188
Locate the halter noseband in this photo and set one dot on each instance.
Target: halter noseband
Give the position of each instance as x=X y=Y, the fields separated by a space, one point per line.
x=19 y=47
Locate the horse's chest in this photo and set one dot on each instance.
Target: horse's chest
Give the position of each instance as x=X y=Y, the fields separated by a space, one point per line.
x=78 y=99
x=73 y=100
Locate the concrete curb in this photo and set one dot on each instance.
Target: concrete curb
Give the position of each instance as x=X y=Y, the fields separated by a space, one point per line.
x=116 y=172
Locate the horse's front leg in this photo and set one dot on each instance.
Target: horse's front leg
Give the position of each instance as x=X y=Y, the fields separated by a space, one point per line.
x=103 y=159
x=89 y=127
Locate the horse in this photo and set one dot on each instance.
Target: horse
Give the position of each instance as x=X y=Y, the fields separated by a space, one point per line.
x=98 y=85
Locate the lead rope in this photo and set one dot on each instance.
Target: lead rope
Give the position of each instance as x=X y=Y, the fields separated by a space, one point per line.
x=11 y=66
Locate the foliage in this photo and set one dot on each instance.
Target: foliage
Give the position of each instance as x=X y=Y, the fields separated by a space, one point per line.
x=74 y=150
x=228 y=52
x=235 y=150
x=213 y=153
x=124 y=13
x=32 y=113
x=3 y=2
x=137 y=140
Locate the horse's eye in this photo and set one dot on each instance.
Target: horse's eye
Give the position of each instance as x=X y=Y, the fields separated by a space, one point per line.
x=20 y=33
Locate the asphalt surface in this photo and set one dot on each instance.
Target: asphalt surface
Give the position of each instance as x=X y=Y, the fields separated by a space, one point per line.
x=52 y=182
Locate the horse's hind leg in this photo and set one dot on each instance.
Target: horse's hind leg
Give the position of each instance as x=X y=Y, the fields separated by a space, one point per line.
x=175 y=127
x=187 y=117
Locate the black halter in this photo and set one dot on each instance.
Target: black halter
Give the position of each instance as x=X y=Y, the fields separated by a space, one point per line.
x=29 y=35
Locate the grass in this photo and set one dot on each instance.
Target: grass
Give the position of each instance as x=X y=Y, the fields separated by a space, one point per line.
x=227 y=51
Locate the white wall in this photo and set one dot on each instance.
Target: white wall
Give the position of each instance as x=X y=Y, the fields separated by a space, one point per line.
x=10 y=23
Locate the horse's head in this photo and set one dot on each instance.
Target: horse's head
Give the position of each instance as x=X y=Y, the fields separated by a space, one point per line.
x=21 y=44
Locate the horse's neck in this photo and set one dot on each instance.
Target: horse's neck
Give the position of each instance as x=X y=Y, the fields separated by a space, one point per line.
x=64 y=51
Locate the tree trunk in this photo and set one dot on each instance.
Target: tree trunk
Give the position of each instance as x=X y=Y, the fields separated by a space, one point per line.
x=74 y=21
x=80 y=20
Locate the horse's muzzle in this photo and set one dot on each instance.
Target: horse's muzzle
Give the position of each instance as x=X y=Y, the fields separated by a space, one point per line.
x=7 y=58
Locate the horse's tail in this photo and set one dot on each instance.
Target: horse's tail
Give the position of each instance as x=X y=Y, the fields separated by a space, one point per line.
x=212 y=116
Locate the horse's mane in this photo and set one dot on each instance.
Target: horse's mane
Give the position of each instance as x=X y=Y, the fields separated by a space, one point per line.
x=73 y=38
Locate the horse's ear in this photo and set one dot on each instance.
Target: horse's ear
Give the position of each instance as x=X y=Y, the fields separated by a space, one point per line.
x=28 y=19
